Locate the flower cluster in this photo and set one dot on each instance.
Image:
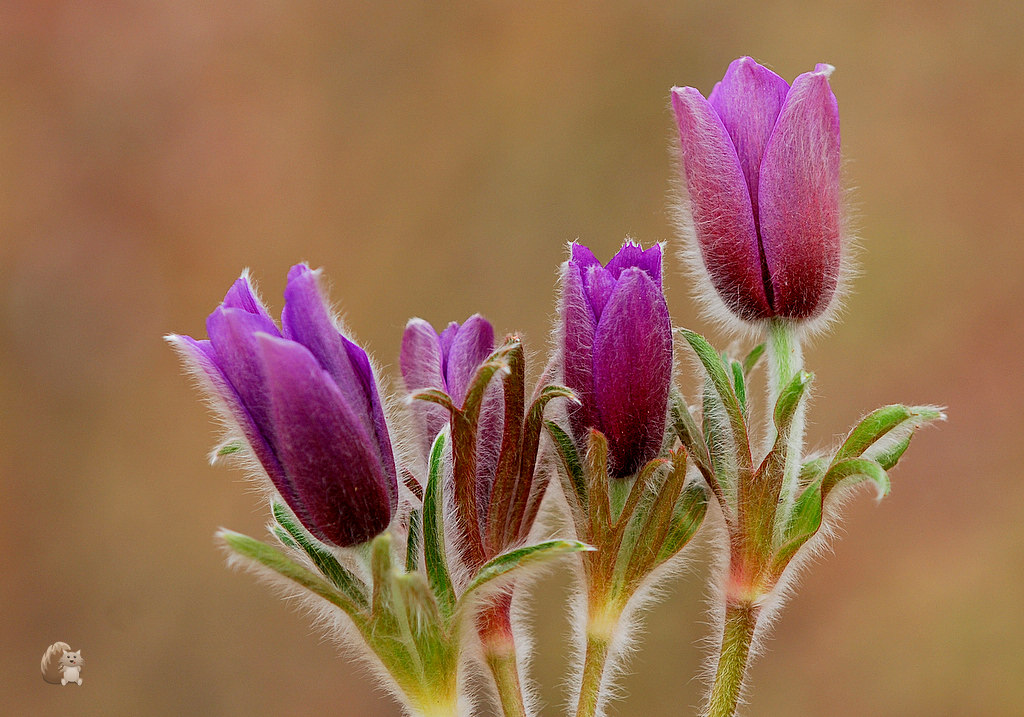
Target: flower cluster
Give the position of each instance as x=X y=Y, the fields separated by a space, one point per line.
x=424 y=550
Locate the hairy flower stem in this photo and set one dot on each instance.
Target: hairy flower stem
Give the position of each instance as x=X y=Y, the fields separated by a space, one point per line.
x=785 y=358
x=602 y=620
x=440 y=701
x=494 y=625
x=737 y=635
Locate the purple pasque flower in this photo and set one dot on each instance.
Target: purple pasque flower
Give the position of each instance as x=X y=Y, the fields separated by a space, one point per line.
x=305 y=398
x=448 y=362
x=761 y=164
x=617 y=351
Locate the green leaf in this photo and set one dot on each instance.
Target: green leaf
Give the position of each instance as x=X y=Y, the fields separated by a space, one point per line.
x=657 y=522
x=856 y=470
x=530 y=491
x=752 y=359
x=883 y=427
x=636 y=492
x=722 y=385
x=230 y=447
x=718 y=438
x=434 y=552
x=688 y=432
x=572 y=477
x=687 y=518
x=412 y=546
x=812 y=470
x=282 y=535
x=433 y=395
x=421 y=612
x=380 y=569
x=890 y=455
x=507 y=471
x=807 y=513
x=465 y=425
x=600 y=512
x=273 y=559
x=521 y=557
x=324 y=560
x=571 y=461
x=766 y=488
x=739 y=385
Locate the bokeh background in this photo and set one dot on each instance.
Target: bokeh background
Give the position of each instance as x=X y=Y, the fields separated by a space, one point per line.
x=435 y=158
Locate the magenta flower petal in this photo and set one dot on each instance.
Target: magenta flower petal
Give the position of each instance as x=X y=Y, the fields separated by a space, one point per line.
x=307 y=320
x=578 y=328
x=748 y=101
x=322 y=441
x=582 y=257
x=232 y=335
x=599 y=283
x=378 y=423
x=421 y=364
x=447 y=338
x=799 y=190
x=632 y=371
x=473 y=343
x=201 y=357
x=719 y=202
x=631 y=255
x=242 y=296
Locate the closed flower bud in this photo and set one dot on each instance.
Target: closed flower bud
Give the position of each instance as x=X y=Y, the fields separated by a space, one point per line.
x=617 y=351
x=306 y=400
x=760 y=159
x=445 y=361
x=448 y=362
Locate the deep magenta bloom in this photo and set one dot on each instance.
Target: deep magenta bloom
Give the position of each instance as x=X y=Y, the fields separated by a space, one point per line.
x=617 y=351
x=761 y=164
x=306 y=400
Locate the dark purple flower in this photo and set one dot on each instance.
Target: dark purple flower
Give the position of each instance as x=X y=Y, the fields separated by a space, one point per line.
x=617 y=351
x=448 y=362
x=306 y=400
x=761 y=164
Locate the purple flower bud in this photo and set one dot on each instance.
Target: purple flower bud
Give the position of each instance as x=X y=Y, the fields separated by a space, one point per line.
x=617 y=351
x=761 y=164
x=448 y=362
x=306 y=400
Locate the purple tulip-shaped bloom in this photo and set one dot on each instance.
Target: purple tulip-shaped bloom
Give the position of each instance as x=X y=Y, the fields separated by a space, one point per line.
x=306 y=400
x=761 y=163
x=448 y=362
x=617 y=351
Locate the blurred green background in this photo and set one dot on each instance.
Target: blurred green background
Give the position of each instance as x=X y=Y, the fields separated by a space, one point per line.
x=435 y=158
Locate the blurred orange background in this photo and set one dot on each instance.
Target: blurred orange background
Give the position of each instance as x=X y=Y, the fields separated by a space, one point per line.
x=435 y=161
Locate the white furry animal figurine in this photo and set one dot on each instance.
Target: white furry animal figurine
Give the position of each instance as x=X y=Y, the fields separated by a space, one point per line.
x=60 y=664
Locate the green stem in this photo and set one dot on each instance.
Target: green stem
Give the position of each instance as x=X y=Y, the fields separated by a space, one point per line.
x=602 y=621
x=494 y=625
x=740 y=621
x=438 y=706
x=785 y=358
